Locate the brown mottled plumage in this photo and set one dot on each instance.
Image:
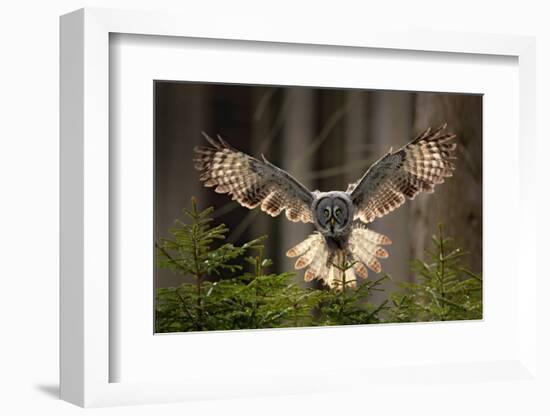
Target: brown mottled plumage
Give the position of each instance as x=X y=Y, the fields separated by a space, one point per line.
x=340 y=238
x=416 y=167
x=363 y=251
x=252 y=182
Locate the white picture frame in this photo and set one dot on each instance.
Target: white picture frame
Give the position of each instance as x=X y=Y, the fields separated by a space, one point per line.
x=86 y=355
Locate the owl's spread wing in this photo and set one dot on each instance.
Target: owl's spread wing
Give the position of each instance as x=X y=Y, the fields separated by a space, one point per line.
x=252 y=182
x=416 y=167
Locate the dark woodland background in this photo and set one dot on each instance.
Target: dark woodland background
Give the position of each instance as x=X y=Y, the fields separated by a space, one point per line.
x=326 y=138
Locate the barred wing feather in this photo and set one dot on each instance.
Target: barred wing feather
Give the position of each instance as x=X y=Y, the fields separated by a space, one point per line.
x=417 y=167
x=252 y=182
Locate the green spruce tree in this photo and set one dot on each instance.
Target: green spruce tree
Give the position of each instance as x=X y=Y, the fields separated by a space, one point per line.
x=193 y=252
x=229 y=287
x=444 y=289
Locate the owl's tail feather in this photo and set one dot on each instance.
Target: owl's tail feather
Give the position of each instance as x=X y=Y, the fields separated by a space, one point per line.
x=364 y=249
x=312 y=252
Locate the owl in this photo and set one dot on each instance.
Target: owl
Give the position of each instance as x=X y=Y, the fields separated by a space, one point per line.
x=342 y=248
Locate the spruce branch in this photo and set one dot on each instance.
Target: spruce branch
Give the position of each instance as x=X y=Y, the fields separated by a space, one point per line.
x=445 y=289
x=248 y=296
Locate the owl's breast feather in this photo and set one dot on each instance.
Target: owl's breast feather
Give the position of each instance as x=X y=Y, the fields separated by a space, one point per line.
x=337 y=242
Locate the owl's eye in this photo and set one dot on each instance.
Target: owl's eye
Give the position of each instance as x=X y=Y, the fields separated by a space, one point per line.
x=326 y=212
x=337 y=211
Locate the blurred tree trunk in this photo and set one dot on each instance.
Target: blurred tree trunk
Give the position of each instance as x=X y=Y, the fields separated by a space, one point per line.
x=178 y=115
x=457 y=203
x=298 y=131
x=391 y=124
x=356 y=136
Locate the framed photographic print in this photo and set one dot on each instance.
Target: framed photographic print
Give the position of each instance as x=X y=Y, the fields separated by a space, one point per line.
x=286 y=213
x=223 y=266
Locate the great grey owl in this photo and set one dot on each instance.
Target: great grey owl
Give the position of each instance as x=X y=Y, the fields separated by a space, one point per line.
x=340 y=218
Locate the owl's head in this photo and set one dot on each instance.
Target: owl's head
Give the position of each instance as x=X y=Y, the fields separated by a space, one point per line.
x=333 y=213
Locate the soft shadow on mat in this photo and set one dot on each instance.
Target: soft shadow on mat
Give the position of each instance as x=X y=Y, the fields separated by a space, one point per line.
x=51 y=390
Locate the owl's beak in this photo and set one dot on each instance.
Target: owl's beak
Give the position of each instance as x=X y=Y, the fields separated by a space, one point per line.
x=332 y=221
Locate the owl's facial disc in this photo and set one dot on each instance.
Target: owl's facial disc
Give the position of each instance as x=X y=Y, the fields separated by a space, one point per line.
x=332 y=215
